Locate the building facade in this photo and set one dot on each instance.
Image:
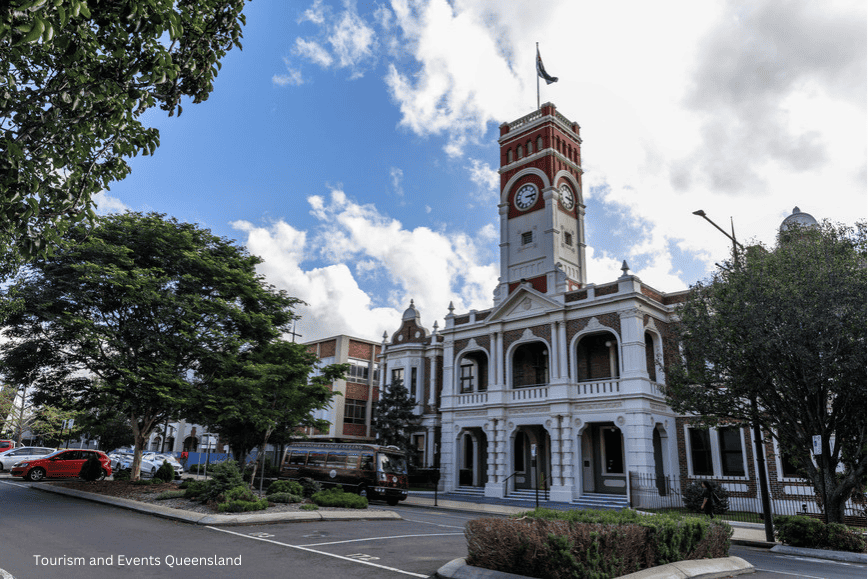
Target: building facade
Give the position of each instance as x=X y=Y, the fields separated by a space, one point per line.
x=559 y=383
x=349 y=413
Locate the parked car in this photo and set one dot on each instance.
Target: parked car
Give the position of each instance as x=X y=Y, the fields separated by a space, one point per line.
x=65 y=463
x=159 y=458
x=10 y=457
x=6 y=445
x=147 y=469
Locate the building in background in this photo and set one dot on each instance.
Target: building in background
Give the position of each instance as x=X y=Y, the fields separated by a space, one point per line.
x=350 y=413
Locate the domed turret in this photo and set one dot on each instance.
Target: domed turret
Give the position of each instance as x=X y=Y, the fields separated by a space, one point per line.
x=798 y=219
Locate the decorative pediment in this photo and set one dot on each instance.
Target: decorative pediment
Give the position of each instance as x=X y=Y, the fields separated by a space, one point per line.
x=523 y=302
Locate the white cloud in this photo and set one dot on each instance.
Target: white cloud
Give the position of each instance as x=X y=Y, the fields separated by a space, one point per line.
x=397 y=176
x=740 y=108
x=313 y=51
x=106 y=204
x=432 y=268
x=351 y=40
x=315 y=14
x=292 y=76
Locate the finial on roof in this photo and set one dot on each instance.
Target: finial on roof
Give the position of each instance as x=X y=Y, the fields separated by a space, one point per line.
x=625 y=268
x=451 y=307
x=436 y=327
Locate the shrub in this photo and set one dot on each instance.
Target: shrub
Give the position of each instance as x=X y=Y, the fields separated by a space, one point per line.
x=123 y=474
x=692 y=496
x=801 y=531
x=310 y=487
x=224 y=476
x=147 y=481
x=241 y=499
x=91 y=470
x=195 y=489
x=309 y=507
x=336 y=497
x=165 y=473
x=170 y=495
x=568 y=544
x=285 y=498
x=285 y=486
x=242 y=506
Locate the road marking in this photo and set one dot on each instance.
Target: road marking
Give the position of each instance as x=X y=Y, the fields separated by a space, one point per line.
x=793 y=574
x=300 y=548
x=435 y=524
x=261 y=535
x=14 y=485
x=383 y=539
x=5 y=575
x=363 y=557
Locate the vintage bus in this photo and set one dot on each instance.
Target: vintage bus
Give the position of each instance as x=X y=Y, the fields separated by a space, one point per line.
x=375 y=472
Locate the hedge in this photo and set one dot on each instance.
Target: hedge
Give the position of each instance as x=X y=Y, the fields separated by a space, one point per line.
x=593 y=544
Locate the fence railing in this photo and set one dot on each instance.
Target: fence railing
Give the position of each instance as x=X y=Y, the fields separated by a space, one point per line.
x=664 y=493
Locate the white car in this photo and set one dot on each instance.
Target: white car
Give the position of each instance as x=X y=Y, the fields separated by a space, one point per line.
x=159 y=458
x=10 y=457
x=147 y=469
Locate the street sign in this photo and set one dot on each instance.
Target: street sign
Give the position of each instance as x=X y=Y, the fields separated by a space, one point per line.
x=818 y=444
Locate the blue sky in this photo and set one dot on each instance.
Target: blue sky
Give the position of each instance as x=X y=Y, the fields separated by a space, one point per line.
x=352 y=145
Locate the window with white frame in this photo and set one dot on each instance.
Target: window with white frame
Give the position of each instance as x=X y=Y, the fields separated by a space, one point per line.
x=413 y=383
x=731 y=452
x=468 y=376
x=700 y=452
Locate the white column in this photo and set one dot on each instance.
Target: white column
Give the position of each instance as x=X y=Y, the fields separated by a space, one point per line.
x=554 y=359
x=565 y=350
x=492 y=360
x=498 y=351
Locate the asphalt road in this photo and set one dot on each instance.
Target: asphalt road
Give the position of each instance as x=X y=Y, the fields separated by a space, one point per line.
x=44 y=535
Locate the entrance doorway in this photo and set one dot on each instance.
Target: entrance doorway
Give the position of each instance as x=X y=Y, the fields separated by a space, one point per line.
x=531 y=451
x=603 y=465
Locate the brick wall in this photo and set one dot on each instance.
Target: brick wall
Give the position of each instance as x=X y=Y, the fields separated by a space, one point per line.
x=357 y=391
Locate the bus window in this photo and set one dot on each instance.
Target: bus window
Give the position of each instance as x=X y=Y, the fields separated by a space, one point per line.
x=316 y=458
x=353 y=460
x=392 y=463
x=297 y=457
x=336 y=460
x=367 y=462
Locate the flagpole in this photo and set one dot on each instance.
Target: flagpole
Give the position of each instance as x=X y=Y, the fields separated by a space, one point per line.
x=537 y=76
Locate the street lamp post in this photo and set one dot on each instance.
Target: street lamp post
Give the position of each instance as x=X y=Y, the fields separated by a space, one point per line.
x=757 y=434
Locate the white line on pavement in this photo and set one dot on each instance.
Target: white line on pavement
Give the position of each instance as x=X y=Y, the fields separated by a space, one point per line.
x=14 y=484
x=382 y=539
x=318 y=552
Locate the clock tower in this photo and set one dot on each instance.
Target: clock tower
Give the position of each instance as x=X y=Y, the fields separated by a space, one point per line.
x=542 y=233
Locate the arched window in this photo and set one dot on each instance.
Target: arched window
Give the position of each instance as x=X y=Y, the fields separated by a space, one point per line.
x=650 y=358
x=509 y=155
x=519 y=152
x=530 y=365
x=539 y=143
x=530 y=147
x=597 y=358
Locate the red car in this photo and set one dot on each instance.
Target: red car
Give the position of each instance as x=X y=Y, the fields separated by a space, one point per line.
x=6 y=445
x=61 y=464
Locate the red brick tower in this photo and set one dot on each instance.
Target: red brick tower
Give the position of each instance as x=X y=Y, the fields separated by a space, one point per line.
x=541 y=205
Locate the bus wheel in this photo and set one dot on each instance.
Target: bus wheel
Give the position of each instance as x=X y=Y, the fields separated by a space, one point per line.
x=392 y=502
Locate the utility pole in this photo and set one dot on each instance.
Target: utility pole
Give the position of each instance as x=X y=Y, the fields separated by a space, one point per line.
x=757 y=432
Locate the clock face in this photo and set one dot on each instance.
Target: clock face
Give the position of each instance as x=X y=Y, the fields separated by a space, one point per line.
x=567 y=199
x=526 y=196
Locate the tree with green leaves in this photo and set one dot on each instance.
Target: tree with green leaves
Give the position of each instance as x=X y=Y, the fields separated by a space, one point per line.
x=135 y=314
x=394 y=419
x=778 y=337
x=264 y=395
x=76 y=78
